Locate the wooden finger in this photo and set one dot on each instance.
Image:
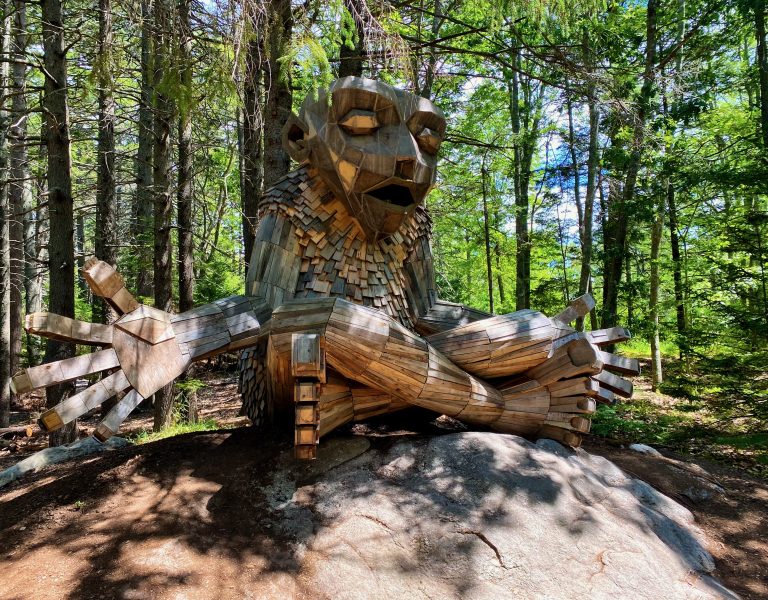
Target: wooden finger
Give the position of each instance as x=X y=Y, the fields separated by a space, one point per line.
x=614 y=383
x=577 y=386
x=107 y=283
x=565 y=436
x=578 y=357
x=79 y=404
x=568 y=421
x=56 y=327
x=606 y=337
x=579 y=307
x=62 y=371
x=573 y=404
x=620 y=364
x=604 y=395
x=115 y=417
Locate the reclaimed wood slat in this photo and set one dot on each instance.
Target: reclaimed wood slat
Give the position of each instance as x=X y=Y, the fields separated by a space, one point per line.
x=64 y=370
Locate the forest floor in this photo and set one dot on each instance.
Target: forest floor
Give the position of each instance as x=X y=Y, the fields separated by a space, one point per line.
x=729 y=502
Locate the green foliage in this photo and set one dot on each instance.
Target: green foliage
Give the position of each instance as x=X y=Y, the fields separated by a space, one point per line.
x=145 y=436
x=216 y=279
x=311 y=57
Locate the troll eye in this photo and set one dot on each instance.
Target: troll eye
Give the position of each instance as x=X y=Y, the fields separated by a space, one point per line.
x=359 y=122
x=428 y=140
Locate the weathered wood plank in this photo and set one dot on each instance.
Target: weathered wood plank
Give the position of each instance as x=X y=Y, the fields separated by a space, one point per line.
x=115 y=417
x=620 y=364
x=79 y=404
x=56 y=327
x=64 y=370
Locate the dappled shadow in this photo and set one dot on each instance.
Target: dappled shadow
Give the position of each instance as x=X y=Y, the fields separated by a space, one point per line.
x=232 y=513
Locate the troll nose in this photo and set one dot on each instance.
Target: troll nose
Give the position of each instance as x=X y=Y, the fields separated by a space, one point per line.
x=404 y=168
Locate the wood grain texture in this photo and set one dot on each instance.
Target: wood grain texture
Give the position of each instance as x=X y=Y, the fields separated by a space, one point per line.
x=64 y=370
x=115 y=417
x=107 y=283
x=148 y=367
x=56 y=327
x=79 y=404
x=498 y=346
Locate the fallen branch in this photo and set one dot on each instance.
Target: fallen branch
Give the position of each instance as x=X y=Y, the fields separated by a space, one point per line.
x=18 y=430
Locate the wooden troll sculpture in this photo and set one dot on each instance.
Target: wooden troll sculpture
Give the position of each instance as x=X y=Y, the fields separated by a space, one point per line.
x=342 y=321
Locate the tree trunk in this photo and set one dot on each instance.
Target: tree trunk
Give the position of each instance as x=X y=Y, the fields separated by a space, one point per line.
x=36 y=252
x=105 y=246
x=574 y=165
x=105 y=242
x=762 y=67
x=522 y=242
x=18 y=189
x=251 y=152
x=61 y=251
x=186 y=155
x=431 y=63
x=653 y=303
x=497 y=253
x=5 y=250
x=630 y=295
x=142 y=210
x=32 y=287
x=85 y=291
x=619 y=206
x=487 y=238
x=677 y=272
x=525 y=128
x=184 y=196
x=593 y=157
x=161 y=188
x=522 y=276
x=277 y=82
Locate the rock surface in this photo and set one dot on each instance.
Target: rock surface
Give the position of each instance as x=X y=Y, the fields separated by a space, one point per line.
x=479 y=515
x=645 y=449
x=462 y=515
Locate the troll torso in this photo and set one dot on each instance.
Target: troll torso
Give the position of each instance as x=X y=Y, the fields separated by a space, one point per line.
x=316 y=249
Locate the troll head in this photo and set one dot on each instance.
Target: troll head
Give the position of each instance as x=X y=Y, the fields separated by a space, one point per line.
x=374 y=146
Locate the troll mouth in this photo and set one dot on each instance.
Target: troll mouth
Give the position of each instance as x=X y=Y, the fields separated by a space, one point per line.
x=393 y=193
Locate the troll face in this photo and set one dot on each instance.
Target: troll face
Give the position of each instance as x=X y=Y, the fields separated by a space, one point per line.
x=375 y=147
